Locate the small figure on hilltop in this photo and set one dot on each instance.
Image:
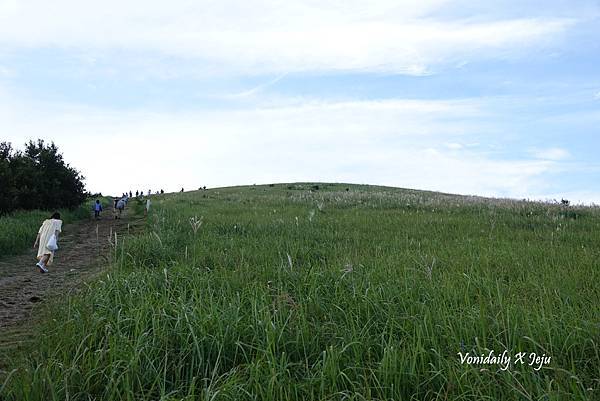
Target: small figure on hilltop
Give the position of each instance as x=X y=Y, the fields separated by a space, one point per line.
x=47 y=241
x=147 y=208
x=149 y=192
x=130 y=194
x=181 y=189
x=97 y=209
x=137 y=193
x=162 y=191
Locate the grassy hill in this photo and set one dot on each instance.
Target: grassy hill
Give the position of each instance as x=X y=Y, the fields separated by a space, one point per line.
x=322 y=291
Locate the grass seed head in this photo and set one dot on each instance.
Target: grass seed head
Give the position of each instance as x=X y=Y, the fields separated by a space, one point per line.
x=196 y=223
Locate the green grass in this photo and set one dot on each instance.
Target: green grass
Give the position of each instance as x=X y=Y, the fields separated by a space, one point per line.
x=366 y=293
x=19 y=229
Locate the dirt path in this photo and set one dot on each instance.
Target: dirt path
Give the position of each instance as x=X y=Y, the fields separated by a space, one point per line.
x=83 y=252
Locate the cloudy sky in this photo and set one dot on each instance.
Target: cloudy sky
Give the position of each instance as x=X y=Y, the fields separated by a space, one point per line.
x=494 y=98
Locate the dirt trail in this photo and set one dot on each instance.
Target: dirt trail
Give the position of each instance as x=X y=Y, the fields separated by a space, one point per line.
x=83 y=247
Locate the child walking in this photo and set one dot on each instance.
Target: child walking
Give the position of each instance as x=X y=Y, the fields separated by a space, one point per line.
x=97 y=209
x=50 y=227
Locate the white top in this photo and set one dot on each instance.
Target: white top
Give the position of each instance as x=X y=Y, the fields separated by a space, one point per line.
x=48 y=228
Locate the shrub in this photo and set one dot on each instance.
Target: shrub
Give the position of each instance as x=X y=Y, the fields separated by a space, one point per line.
x=45 y=180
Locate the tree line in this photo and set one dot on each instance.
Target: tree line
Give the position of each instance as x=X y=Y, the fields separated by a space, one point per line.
x=38 y=178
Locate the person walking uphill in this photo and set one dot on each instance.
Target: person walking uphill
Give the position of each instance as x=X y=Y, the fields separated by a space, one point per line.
x=46 y=241
x=97 y=209
x=119 y=209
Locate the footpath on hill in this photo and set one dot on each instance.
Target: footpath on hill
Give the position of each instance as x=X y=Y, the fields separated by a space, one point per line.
x=84 y=250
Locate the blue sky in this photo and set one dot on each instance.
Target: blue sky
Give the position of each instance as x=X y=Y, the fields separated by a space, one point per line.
x=467 y=97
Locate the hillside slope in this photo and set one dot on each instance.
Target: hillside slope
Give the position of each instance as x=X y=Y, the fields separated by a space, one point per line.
x=329 y=291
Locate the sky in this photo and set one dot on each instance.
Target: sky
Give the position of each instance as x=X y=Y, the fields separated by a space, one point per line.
x=494 y=98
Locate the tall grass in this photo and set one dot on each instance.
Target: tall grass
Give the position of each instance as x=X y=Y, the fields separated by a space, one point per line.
x=18 y=229
x=370 y=293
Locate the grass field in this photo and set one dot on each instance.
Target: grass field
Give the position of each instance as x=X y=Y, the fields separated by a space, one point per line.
x=18 y=229
x=341 y=292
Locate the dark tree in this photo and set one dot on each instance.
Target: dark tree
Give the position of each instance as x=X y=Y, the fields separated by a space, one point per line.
x=38 y=178
x=7 y=182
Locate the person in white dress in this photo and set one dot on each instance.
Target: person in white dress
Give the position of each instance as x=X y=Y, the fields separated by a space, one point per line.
x=50 y=227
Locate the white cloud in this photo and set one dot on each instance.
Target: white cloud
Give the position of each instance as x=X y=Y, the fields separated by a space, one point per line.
x=270 y=36
x=257 y=89
x=454 y=146
x=393 y=142
x=551 y=154
x=428 y=144
x=6 y=72
x=597 y=95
